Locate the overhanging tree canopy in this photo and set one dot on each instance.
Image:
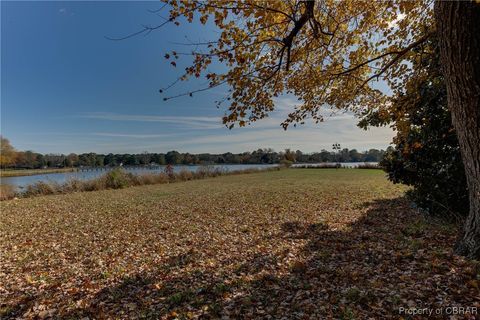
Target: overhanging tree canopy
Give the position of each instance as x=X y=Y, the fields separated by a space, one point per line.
x=327 y=53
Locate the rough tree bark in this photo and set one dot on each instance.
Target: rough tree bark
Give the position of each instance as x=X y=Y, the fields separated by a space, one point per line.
x=458 y=26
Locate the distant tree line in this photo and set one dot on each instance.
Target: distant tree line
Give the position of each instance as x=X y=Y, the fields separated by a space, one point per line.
x=32 y=160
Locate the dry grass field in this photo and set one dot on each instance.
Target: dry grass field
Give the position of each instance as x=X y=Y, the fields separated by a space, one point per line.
x=296 y=243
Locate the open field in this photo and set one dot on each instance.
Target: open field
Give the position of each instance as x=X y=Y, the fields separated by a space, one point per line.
x=297 y=243
x=31 y=172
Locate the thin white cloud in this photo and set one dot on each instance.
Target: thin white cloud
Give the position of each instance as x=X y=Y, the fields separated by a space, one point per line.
x=128 y=135
x=186 y=121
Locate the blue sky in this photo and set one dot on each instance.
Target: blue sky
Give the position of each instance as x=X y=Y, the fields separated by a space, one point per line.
x=65 y=88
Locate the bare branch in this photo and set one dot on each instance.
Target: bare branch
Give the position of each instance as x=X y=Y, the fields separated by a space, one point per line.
x=159 y=9
x=398 y=53
x=148 y=29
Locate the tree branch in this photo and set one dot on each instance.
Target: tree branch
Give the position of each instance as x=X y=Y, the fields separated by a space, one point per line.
x=398 y=53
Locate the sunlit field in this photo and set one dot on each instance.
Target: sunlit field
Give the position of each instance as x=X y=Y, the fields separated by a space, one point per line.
x=305 y=243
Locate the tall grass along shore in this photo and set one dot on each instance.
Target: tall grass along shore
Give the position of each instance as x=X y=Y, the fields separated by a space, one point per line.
x=117 y=179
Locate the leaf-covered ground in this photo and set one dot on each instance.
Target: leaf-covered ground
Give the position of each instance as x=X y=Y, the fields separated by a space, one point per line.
x=291 y=244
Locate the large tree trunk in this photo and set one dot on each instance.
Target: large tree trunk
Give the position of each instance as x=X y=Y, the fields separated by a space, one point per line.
x=458 y=26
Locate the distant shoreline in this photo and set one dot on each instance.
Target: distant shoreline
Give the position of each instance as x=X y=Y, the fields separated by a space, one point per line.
x=32 y=172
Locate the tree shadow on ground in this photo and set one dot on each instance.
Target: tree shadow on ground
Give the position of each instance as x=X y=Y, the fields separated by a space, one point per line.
x=385 y=260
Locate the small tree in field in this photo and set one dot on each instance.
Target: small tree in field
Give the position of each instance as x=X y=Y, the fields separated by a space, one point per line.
x=7 y=153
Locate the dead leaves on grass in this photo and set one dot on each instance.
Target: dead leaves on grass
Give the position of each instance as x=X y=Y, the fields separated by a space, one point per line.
x=272 y=245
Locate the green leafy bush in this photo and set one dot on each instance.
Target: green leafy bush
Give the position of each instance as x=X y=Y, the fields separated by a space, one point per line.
x=118 y=179
x=426 y=153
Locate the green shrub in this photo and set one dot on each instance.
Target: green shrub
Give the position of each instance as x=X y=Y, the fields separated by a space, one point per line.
x=426 y=153
x=118 y=179
x=428 y=158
